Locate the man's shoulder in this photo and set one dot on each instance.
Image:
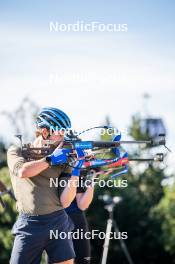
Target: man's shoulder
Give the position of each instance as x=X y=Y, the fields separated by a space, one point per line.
x=14 y=158
x=14 y=149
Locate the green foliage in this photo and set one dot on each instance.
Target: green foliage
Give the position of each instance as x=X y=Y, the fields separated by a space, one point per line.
x=3 y=158
x=135 y=130
x=7 y=219
x=165 y=213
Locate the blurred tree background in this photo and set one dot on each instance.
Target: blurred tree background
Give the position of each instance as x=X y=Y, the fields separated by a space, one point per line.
x=147 y=213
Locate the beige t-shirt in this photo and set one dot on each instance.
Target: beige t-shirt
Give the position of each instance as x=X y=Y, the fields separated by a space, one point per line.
x=34 y=195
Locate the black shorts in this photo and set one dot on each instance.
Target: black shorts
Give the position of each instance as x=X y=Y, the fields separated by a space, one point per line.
x=81 y=246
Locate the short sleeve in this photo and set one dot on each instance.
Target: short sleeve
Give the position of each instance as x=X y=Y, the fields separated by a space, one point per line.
x=14 y=159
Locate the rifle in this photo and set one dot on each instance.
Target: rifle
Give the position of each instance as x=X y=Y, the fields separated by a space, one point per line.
x=78 y=150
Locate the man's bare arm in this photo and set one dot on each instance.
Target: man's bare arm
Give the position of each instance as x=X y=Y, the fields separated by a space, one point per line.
x=32 y=168
x=69 y=193
x=85 y=199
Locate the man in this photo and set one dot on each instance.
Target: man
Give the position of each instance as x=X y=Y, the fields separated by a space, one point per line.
x=76 y=211
x=40 y=206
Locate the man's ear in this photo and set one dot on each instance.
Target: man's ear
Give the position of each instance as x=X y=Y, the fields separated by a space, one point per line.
x=45 y=133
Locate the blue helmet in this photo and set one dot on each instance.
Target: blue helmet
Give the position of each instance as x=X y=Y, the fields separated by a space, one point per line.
x=50 y=117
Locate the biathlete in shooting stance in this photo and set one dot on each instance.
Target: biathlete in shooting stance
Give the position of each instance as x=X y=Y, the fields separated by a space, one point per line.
x=76 y=212
x=41 y=207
